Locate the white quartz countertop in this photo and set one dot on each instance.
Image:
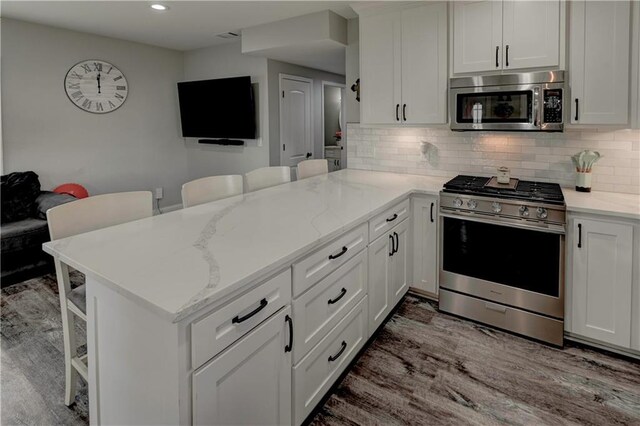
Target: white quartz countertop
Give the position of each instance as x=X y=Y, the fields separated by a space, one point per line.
x=179 y=262
x=603 y=203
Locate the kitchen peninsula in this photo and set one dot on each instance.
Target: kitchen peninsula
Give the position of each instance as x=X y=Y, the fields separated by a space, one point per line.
x=170 y=296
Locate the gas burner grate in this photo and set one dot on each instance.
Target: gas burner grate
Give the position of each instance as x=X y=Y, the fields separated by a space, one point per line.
x=525 y=190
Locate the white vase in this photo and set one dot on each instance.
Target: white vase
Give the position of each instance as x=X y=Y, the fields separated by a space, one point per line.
x=583 y=182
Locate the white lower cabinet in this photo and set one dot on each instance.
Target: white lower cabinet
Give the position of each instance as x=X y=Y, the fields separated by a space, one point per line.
x=250 y=382
x=315 y=374
x=601 y=293
x=399 y=282
x=387 y=273
x=424 y=217
x=318 y=310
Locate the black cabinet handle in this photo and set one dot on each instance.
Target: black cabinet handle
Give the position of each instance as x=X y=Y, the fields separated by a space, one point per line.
x=397 y=112
x=336 y=356
x=309 y=155
x=335 y=256
x=404 y=112
x=579 y=235
x=497 y=63
x=288 y=347
x=432 y=212
x=392 y=218
x=340 y=296
x=507 y=60
x=397 y=245
x=393 y=242
x=237 y=319
x=576 y=118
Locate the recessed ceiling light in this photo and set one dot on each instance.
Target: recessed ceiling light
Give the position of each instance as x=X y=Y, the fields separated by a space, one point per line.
x=158 y=6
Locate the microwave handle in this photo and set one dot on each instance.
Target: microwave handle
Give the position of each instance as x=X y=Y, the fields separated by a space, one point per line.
x=536 y=108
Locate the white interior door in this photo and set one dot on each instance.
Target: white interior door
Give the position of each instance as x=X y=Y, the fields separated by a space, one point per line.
x=295 y=120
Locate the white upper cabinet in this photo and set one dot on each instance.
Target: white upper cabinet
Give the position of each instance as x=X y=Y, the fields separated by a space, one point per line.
x=599 y=62
x=477 y=36
x=531 y=34
x=403 y=65
x=380 y=74
x=424 y=64
x=602 y=285
x=510 y=35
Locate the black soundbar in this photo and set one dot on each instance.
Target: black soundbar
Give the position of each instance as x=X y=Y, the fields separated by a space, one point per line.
x=234 y=142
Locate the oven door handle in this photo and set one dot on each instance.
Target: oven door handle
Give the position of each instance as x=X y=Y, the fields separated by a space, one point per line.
x=513 y=223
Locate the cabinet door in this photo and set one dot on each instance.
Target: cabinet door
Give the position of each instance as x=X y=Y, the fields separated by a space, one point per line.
x=399 y=283
x=477 y=36
x=380 y=278
x=599 y=62
x=250 y=382
x=531 y=34
x=602 y=281
x=425 y=244
x=380 y=68
x=424 y=64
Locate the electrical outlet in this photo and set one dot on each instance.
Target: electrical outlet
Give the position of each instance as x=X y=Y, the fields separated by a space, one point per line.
x=158 y=193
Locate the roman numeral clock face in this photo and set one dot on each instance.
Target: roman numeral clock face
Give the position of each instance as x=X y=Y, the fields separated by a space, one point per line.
x=96 y=86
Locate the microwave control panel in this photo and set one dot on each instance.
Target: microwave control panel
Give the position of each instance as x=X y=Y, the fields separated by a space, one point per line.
x=552 y=111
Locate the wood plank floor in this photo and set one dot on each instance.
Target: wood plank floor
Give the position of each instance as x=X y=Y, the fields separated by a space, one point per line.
x=423 y=368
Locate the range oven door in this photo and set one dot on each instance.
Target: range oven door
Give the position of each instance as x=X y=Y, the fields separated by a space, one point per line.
x=511 y=264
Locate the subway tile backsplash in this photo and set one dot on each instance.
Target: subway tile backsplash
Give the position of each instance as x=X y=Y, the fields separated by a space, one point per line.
x=532 y=156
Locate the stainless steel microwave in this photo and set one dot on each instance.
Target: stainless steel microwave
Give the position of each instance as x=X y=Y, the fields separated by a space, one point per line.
x=513 y=102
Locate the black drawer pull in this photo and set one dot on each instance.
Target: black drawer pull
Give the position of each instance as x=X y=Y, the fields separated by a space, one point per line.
x=335 y=256
x=397 y=245
x=393 y=248
x=338 y=297
x=238 y=320
x=336 y=356
x=392 y=218
x=432 y=212
x=579 y=235
x=288 y=347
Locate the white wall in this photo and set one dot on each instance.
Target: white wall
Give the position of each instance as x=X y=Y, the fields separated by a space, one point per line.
x=137 y=147
x=220 y=62
x=275 y=68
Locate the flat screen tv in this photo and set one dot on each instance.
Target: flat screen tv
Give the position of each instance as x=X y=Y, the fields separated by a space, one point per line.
x=221 y=108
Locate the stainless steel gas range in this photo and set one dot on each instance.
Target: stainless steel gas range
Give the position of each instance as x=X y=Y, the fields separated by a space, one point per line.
x=502 y=254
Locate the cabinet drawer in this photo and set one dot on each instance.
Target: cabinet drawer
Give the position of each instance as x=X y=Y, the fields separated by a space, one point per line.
x=216 y=331
x=315 y=374
x=318 y=310
x=323 y=261
x=380 y=224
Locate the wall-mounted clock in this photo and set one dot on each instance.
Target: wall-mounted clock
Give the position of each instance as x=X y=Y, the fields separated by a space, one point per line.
x=96 y=86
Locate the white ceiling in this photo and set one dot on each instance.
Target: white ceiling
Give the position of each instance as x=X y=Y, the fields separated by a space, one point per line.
x=186 y=25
